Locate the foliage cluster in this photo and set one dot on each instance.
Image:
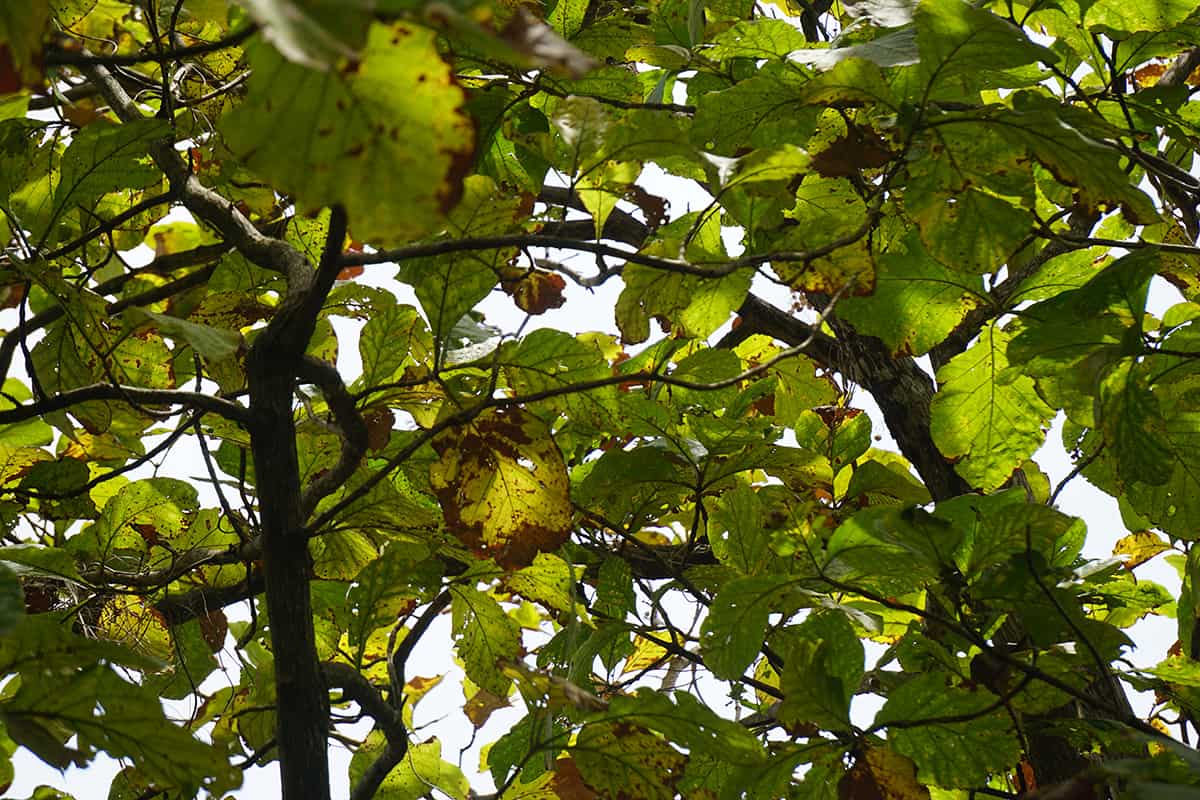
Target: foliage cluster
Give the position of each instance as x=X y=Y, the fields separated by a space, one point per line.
x=667 y=546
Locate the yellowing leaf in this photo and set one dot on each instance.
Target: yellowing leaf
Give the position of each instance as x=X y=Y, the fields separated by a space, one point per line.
x=130 y=619
x=384 y=135
x=503 y=486
x=882 y=774
x=1140 y=546
x=646 y=654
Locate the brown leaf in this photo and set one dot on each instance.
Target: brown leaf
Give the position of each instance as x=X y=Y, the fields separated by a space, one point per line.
x=481 y=705
x=379 y=427
x=882 y=774
x=857 y=150
x=535 y=291
x=568 y=784
x=12 y=295
x=503 y=487
x=213 y=627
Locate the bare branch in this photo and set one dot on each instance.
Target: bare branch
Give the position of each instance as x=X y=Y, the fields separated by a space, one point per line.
x=110 y=391
x=82 y=58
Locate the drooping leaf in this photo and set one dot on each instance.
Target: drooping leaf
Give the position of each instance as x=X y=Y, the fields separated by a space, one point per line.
x=354 y=126
x=932 y=746
x=486 y=637
x=990 y=420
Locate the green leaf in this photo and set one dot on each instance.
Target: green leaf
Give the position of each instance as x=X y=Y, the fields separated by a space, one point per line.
x=1134 y=426
x=12 y=599
x=737 y=533
x=1115 y=16
x=384 y=139
x=420 y=771
x=548 y=580
x=829 y=212
x=391 y=339
x=935 y=746
x=486 y=636
x=822 y=670
x=618 y=759
x=985 y=415
x=970 y=231
x=891 y=550
x=736 y=624
x=758 y=38
x=753 y=113
x=917 y=301
x=689 y=724
x=548 y=360
x=450 y=286
x=1074 y=157
x=31 y=559
x=103 y=158
x=212 y=343
x=141 y=514
x=998 y=526
x=956 y=39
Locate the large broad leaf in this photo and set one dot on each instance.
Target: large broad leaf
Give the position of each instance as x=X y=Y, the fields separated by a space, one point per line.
x=1075 y=157
x=736 y=624
x=998 y=526
x=688 y=723
x=618 y=759
x=103 y=158
x=503 y=486
x=937 y=747
x=140 y=515
x=691 y=305
x=450 y=286
x=917 y=301
x=486 y=637
x=822 y=669
x=891 y=550
x=990 y=420
x=420 y=771
x=957 y=39
x=753 y=113
x=384 y=134
x=758 y=38
x=1123 y=17
x=829 y=214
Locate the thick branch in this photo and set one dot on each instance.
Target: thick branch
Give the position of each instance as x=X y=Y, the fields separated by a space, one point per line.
x=177 y=609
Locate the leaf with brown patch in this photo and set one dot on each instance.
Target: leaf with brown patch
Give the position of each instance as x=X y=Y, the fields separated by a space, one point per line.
x=503 y=486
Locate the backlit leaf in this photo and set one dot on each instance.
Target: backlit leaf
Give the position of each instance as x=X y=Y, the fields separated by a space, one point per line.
x=503 y=486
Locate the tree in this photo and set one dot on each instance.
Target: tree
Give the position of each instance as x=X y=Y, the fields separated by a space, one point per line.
x=993 y=185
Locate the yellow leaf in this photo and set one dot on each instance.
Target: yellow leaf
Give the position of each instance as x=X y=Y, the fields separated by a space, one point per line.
x=645 y=655
x=1140 y=546
x=503 y=486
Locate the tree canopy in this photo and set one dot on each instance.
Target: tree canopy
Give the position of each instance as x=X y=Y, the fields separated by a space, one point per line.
x=675 y=543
